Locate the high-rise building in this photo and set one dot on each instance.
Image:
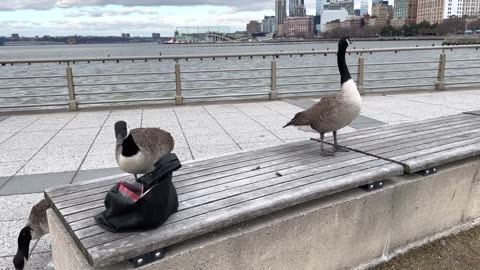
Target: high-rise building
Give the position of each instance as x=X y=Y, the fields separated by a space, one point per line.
x=156 y=35
x=383 y=13
x=430 y=11
x=406 y=10
x=319 y=7
x=125 y=35
x=454 y=8
x=364 y=7
x=268 y=24
x=280 y=13
x=298 y=27
x=340 y=4
x=254 y=27
x=332 y=15
x=15 y=36
x=292 y=6
x=471 y=8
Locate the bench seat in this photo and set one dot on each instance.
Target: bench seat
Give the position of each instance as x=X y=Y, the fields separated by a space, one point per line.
x=420 y=145
x=216 y=193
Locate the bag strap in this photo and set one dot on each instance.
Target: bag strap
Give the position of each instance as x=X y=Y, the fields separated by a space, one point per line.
x=163 y=167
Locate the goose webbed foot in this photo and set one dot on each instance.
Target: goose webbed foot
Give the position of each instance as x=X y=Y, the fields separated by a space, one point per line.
x=338 y=148
x=327 y=153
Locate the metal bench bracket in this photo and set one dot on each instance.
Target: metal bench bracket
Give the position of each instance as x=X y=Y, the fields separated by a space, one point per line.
x=428 y=171
x=148 y=258
x=373 y=186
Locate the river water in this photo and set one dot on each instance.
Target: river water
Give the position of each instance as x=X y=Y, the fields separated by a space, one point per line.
x=190 y=83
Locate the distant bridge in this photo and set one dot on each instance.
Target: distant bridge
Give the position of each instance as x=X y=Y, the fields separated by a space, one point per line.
x=213 y=37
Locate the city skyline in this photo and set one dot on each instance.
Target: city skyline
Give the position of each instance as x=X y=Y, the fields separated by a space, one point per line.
x=139 y=18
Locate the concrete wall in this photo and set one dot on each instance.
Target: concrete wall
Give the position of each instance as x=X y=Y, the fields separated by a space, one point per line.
x=347 y=230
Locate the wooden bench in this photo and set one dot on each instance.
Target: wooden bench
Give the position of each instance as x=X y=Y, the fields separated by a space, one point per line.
x=217 y=193
x=223 y=191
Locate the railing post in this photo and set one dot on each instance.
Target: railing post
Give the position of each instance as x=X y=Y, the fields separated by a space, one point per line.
x=72 y=102
x=273 y=89
x=440 y=83
x=360 y=75
x=178 y=84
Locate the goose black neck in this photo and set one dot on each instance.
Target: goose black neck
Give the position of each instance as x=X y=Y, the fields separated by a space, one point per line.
x=342 y=65
x=129 y=147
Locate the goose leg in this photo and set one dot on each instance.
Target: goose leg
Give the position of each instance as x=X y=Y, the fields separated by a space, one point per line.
x=323 y=151
x=336 y=147
x=135 y=177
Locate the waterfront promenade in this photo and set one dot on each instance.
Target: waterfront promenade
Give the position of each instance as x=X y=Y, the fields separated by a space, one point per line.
x=46 y=150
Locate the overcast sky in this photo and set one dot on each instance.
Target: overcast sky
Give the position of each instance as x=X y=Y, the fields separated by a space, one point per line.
x=137 y=17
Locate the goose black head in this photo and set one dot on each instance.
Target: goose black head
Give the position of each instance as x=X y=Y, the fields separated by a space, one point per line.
x=24 y=239
x=344 y=42
x=122 y=131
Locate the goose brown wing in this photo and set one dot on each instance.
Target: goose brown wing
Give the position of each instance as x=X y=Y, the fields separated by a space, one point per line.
x=322 y=113
x=154 y=141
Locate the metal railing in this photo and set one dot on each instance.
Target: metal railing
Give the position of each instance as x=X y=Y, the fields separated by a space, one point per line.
x=186 y=83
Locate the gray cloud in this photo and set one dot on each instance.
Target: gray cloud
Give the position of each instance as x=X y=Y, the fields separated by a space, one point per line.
x=245 y=5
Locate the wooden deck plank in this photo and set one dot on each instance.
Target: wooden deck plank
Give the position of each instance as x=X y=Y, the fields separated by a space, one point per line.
x=68 y=189
x=173 y=233
x=473 y=112
x=197 y=205
x=220 y=185
x=402 y=136
x=379 y=131
x=184 y=215
x=412 y=144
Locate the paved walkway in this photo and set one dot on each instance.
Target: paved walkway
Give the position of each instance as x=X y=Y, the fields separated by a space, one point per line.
x=45 y=150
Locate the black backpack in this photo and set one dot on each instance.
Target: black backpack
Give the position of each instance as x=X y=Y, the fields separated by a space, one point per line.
x=151 y=210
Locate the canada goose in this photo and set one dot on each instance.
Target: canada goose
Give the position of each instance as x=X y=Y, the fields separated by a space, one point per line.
x=139 y=149
x=36 y=227
x=332 y=113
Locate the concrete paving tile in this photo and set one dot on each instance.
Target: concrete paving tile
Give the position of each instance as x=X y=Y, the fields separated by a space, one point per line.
x=10 y=231
x=44 y=127
x=252 y=137
x=259 y=145
x=183 y=153
x=194 y=132
x=390 y=118
x=244 y=120
x=97 y=114
x=179 y=140
x=49 y=165
x=209 y=140
x=215 y=109
x=126 y=112
x=25 y=140
x=17 y=207
x=69 y=141
x=7 y=155
x=99 y=162
x=78 y=123
x=133 y=121
x=244 y=128
x=205 y=151
x=159 y=115
x=11 y=129
x=173 y=124
x=10 y=168
x=62 y=152
x=199 y=124
x=194 y=117
x=5 y=136
x=290 y=133
x=105 y=138
x=229 y=115
x=102 y=149
x=20 y=120
x=85 y=175
x=3 y=118
x=3 y=180
x=25 y=184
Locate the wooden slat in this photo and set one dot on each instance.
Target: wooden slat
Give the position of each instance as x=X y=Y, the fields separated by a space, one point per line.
x=381 y=131
x=402 y=136
x=196 y=205
x=306 y=191
x=184 y=215
x=473 y=112
x=239 y=180
x=63 y=190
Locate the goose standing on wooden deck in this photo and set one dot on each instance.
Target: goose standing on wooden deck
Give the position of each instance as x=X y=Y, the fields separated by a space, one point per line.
x=36 y=227
x=332 y=113
x=139 y=149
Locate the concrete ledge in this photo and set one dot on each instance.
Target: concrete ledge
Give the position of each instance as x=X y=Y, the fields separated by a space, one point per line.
x=346 y=230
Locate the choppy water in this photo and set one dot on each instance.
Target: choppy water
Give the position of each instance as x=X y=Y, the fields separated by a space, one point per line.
x=190 y=80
